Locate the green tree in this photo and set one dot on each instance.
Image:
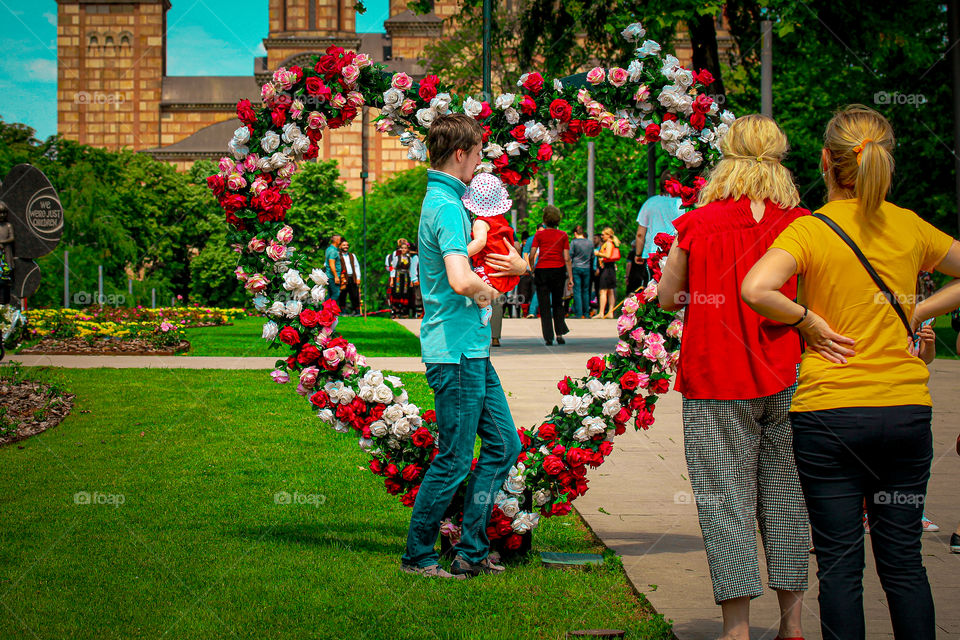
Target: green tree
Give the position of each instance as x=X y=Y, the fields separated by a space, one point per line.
x=319 y=198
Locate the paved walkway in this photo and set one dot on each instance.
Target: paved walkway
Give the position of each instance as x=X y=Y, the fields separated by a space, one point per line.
x=639 y=500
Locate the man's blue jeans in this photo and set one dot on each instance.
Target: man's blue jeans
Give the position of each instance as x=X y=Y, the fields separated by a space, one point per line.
x=469 y=402
x=581 y=292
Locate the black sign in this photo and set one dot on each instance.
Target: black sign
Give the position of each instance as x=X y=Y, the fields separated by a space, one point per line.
x=37 y=218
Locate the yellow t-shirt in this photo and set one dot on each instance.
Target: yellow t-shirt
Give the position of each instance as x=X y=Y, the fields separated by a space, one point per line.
x=834 y=285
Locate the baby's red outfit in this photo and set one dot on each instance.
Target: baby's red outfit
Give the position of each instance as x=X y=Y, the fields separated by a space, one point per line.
x=499 y=240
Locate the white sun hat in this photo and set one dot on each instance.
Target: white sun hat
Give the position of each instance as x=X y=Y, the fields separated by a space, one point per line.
x=486 y=196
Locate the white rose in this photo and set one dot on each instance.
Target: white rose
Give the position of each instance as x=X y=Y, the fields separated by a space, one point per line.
x=635 y=71
x=581 y=435
x=347 y=395
x=417 y=151
x=383 y=394
x=511 y=114
x=595 y=387
x=493 y=150
x=410 y=409
x=291 y=132
x=515 y=484
x=727 y=117
x=472 y=107
x=611 y=407
x=292 y=280
x=301 y=145
x=594 y=425
x=366 y=443
x=392 y=413
x=392 y=442
x=426 y=116
x=524 y=521
x=270 y=142
x=611 y=390
x=441 y=103
x=374 y=378
x=241 y=136
x=239 y=151
x=557 y=85
x=392 y=98
x=584 y=408
x=648 y=48
x=270 y=330
x=366 y=393
x=401 y=398
x=689 y=154
x=505 y=101
x=513 y=148
x=378 y=428
x=670 y=66
x=318 y=276
x=277 y=309
x=708 y=135
x=569 y=404
x=326 y=415
x=341 y=427
x=394 y=380
x=541 y=497
x=318 y=293
x=535 y=131
x=684 y=78
x=293 y=308
x=401 y=428
x=510 y=507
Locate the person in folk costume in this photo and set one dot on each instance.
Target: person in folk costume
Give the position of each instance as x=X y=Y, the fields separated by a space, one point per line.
x=349 y=279
x=401 y=292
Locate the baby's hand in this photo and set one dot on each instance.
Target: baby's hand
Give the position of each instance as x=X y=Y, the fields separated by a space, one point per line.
x=485 y=314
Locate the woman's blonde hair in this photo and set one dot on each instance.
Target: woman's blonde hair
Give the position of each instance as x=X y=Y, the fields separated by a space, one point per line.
x=752 y=152
x=860 y=142
x=613 y=236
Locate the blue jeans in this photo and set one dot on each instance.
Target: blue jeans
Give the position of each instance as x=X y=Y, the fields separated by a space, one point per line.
x=469 y=402
x=881 y=455
x=533 y=303
x=333 y=288
x=581 y=291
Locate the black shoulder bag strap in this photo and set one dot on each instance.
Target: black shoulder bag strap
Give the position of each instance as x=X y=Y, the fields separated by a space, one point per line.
x=887 y=293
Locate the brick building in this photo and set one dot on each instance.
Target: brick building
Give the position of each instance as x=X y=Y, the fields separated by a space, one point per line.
x=113 y=90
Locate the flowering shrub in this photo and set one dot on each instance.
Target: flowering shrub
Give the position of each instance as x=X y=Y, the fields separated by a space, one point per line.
x=653 y=100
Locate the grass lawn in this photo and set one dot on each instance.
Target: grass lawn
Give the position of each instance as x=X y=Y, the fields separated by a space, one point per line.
x=183 y=536
x=946 y=338
x=373 y=337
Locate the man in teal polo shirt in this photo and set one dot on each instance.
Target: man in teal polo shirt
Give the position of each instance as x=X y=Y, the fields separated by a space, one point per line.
x=331 y=258
x=455 y=347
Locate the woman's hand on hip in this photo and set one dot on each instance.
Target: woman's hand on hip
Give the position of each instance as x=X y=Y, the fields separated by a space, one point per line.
x=823 y=340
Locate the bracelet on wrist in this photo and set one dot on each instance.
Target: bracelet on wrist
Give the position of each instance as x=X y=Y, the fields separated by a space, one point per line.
x=802 y=318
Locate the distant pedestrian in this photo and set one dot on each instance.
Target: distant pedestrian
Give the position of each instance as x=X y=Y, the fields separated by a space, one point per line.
x=655 y=216
x=331 y=266
x=581 y=261
x=552 y=275
x=349 y=279
x=608 y=254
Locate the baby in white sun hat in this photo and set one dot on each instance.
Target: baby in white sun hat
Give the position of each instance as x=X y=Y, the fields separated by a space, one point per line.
x=488 y=200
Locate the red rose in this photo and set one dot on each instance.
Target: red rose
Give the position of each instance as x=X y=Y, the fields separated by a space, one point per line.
x=332 y=307
x=290 y=336
x=427 y=91
x=561 y=110
x=485 y=111
x=533 y=83
x=217 y=184
x=569 y=137
x=245 y=112
x=528 y=105
x=233 y=202
x=669 y=116
x=410 y=497
x=560 y=509
x=553 y=465
x=308 y=354
x=558 y=450
x=661 y=385
x=501 y=161
x=637 y=402
x=393 y=487
x=544 y=153
x=313 y=85
x=519 y=133
x=339 y=341
x=430 y=80
x=630 y=380
x=326 y=65
x=392 y=470
x=702 y=103
x=596 y=365
x=644 y=419
x=697 y=120
x=622 y=416
x=672 y=187
x=652 y=132
x=411 y=472
x=525 y=440
x=591 y=128
x=510 y=176
x=704 y=77
x=422 y=438
x=577 y=456
x=308 y=318
x=620 y=429
x=430 y=416
x=279 y=117
x=375 y=466
x=486 y=134
x=606 y=448
x=325 y=318
x=514 y=541
x=547 y=431
x=320 y=399
x=564 y=386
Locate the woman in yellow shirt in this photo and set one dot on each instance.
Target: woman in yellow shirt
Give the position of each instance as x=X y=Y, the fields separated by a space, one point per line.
x=861 y=414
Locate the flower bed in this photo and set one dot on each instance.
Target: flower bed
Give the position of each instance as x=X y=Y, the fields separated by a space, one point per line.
x=29 y=405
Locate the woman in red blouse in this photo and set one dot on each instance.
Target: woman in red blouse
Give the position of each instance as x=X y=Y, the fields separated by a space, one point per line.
x=737 y=373
x=552 y=275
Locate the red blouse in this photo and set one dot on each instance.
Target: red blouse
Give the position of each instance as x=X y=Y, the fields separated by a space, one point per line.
x=728 y=351
x=550 y=244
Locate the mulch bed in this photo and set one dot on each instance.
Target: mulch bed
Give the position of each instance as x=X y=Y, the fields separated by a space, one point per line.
x=101 y=347
x=22 y=402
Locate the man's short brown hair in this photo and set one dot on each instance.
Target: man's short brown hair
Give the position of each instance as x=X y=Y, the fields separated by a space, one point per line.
x=551 y=215
x=449 y=133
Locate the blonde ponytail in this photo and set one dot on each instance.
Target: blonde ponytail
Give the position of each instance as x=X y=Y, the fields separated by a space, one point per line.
x=613 y=236
x=860 y=142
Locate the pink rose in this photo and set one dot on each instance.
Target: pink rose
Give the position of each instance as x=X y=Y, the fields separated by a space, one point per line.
x=285 y=234
x=644 y=380
x=333 y=356
x=583 y=96
x=594 y=108
x=650 y=293
x=355 y=99
x=401 y=81
x=338 y=101
x=623 y=349
x=637 y=334
x=235 y=182
x=250 y=162
x=240 y=273
x=258 y=185
x=316 y=120
x=385 y=125
x=617 y=76
x=596 y=75
x=279 y=376
x=276 y=251
x=256 y=283
x=362 y=61
x=675 y=330
x=642 y=94
x=227 y=166
x=350 y=73
x=408 y=106
x=350 y=352
x=622 y=128
x=308 y=377
x=268 y=93
x=606 y=119
x=626 y=322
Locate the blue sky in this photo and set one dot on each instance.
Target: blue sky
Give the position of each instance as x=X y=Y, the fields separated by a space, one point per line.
x=204 y=38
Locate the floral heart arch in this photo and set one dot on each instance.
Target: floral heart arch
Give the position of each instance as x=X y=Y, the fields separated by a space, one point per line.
x=653 y=100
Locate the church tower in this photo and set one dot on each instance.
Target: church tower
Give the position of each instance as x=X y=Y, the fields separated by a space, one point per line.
x=112 y=59
x=307 y=27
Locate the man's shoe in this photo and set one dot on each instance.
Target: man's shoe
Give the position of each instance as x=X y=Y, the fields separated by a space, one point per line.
x=460 y=567
x=560 y=340
x=433 y=571
x=549 y=343
x=494 y=342
x=955 y=543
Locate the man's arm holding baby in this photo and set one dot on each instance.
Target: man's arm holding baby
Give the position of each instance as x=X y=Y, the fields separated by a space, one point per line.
x=465 y=282
x=479 y=241
x=507 y=264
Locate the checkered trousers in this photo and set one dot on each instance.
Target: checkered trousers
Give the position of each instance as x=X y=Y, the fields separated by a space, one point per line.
x=740 y=459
